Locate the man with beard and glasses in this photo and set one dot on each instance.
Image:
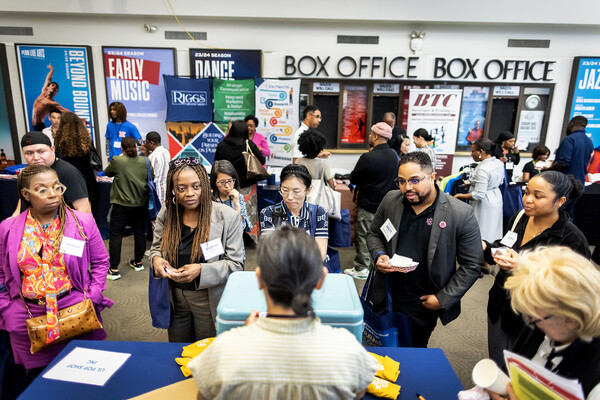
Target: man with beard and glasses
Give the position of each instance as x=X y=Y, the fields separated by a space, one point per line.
x=431 y=227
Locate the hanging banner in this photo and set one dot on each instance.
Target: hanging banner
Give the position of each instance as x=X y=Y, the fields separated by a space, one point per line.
x=134 y=77
x=225 y=64
x=188 y=99
x=584 y=95
x=436 y=110
x=9 y=145
x=472 y=117
x=55 y=77
x=233 y=99
x=277 y=114
x=187 y=139
x=354 y=103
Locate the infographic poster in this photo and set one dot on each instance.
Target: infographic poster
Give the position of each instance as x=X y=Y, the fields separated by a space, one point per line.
x=277 y=114
x=133 y=77
x=56 y=77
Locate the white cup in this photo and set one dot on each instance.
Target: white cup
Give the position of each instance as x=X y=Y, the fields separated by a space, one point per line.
x=487 y=375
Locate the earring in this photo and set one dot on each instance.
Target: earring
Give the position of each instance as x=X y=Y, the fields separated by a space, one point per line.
x=173 y=199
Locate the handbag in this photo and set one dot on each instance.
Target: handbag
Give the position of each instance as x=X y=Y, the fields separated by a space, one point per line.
x=323 y=195
x=254 y=169
x=95 y=160
x=73 y=321
x=386 y=328
x=340 y=234
x=511 y=199
x=153 y=199
x=159 y=301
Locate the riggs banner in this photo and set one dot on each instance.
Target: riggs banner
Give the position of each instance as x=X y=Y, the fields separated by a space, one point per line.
x=225 y=64
x=188 y=99
x=277 y=114
x=233 y=99
x=55 y=77
x=134 y=78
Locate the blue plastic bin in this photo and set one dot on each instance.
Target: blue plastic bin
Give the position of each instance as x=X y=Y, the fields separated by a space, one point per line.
x=336 y=303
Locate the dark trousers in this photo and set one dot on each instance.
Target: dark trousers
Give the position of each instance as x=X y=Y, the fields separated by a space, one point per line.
x=422 y=321
x=121 y=217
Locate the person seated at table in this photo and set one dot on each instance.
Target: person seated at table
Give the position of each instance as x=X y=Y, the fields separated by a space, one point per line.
x=540 y=154
x=311 y=143
x=557 y=292
x=289 y=353
x=294 y=210
x=196 y=280
x=224 y=184
x=37 y=276
x=542 y=222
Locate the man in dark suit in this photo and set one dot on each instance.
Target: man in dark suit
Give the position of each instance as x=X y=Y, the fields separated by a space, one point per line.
x=423 y=223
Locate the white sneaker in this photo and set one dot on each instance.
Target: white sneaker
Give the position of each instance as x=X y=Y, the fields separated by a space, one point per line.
x=357 y=274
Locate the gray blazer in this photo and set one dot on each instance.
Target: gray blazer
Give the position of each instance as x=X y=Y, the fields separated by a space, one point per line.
x=226 y=225
x=454 y=238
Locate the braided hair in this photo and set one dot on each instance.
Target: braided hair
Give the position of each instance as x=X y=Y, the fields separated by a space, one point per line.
x=174 y=219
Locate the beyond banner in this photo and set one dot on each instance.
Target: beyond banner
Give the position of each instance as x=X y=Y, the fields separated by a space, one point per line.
x=225 y=64
x=188 y=100
x=277 y=114
x=134 y=78
x=55 y=76
x=233 y=99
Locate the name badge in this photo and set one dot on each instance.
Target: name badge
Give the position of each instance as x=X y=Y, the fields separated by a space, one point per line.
x=510 y=165
x=72 y=247
x=509 y=239
x=212 y=248
x=388 y=230
x=117 y=145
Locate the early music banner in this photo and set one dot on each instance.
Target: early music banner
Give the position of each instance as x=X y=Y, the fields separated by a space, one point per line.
x=134 y=77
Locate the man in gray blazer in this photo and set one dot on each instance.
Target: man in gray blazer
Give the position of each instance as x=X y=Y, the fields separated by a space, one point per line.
x=421 y=222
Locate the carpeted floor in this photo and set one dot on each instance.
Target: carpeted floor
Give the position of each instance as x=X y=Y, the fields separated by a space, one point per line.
x=464 y=340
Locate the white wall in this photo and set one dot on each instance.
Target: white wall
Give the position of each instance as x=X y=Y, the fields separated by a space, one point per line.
x=463 y=29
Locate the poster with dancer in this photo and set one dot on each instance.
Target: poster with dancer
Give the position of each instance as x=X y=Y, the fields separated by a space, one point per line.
x=277 y=114
x=472 y=118
x=9 y=143
x=355 y=116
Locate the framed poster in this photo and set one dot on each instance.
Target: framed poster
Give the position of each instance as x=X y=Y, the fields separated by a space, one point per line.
x=354 y=105
x=56 y=76
x=472 y=116
x=9 y=140
x=584 y=95
x=225 y=64
x=134 y=77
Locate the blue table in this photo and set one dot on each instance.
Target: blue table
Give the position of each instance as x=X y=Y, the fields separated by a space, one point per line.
x=152 y=365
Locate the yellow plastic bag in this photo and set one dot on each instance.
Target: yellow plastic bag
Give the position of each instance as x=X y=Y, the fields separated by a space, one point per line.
x=387 y=368
x=382 y=388
x=194 y=349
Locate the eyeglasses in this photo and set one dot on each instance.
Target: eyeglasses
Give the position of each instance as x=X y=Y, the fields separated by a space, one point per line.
x=414 y=181
x=531 y=322
x=185 y=160
x=317 y=116
x=226 y=182
x=45 y=192
x=295 y=194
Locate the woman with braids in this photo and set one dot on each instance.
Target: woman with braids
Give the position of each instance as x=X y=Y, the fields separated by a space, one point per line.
x=311 y=143
x=72 y=142
x=38 y=271
x=129 y=204
x=287 y=354
x=189 y=225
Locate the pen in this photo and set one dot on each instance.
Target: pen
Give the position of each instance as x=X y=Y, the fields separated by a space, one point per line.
x=420 y=397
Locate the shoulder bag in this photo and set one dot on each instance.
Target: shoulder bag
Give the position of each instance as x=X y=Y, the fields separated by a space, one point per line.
x=323 y=195
x=153 y=200
x=254 y=169
x=95 y=161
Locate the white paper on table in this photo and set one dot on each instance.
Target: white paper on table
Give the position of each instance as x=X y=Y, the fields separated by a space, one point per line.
x=89 y=366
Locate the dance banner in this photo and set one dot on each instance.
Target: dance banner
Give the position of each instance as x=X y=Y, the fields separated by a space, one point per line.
x=134 y=77
x=233 y=99
x=437 y=111
x=277 y=114
x=225 y=64
x=584 y=95
x=472 y=117
x=9 y=145
x=56 y=77
x=187 y=139
x=188 y=100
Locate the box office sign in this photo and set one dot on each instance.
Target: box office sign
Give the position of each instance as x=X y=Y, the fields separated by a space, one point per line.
x=225 y=64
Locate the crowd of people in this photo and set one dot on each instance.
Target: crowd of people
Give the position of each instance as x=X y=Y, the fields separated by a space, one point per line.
x=52 y=254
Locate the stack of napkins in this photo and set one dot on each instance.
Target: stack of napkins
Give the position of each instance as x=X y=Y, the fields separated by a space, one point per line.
x=403 y=264
x=387 y=372
x=189 y=352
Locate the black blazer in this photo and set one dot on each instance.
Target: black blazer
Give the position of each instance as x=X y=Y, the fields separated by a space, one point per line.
x=232 y=153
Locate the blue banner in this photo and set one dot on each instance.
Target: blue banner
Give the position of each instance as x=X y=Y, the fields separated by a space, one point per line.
x=134 y=77
x=7 y=154
x=586 y=95
x=55 y=76
x=225 y=64
x=188 y=100
x=472 y=115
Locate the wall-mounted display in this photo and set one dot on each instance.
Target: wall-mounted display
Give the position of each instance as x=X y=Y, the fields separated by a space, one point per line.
x=225 y=64
x=584 y=95
x=9 y=142
x=472 y=117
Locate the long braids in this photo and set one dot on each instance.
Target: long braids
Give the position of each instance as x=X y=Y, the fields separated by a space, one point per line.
x=169 y=246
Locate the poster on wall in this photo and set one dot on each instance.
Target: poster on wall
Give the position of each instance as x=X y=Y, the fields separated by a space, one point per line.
x=437 y=111
x=56 y=76
x=354 y=103
x=277 y=114
x=133 y=77
x=9 y=142
x=188 y=100
x=584 y=95
x=188 y=139
x=472 y=117
x=530 y=126
x=233 y=99
x=225 y=64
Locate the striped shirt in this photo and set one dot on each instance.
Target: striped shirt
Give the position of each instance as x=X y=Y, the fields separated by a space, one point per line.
x=302 y=221
x=159 y=159
x=284 y=359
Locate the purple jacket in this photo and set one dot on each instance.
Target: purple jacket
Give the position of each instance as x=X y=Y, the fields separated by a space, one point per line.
x=94 y=253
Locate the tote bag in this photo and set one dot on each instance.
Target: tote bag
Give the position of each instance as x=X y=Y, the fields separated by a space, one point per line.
x=385 y=328
x=153 y=200
x=511 y=199
x=340 y=234
x=254 y=168
x=323 y=195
